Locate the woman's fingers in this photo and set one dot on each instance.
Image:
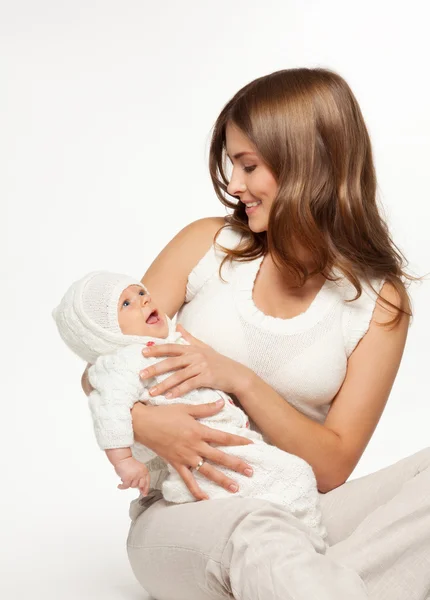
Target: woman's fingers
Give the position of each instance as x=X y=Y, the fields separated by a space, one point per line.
x=218 y=477
x=222 y=438
x=230 y=462
x=163 y=366
x=190 y=482
x=211 y=472
x=164 y=350
x=198 y=411
x=177 y=383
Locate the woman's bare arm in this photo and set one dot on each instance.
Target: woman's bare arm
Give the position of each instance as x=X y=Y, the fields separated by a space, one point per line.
x=167 y=276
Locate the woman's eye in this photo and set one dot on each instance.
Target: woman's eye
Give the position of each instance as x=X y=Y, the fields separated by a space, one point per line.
x=248 y=169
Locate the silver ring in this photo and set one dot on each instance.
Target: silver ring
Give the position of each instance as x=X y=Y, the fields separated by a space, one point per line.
x=200 y=464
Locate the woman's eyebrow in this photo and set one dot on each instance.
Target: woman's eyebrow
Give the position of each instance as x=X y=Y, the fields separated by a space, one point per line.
x=239 y=154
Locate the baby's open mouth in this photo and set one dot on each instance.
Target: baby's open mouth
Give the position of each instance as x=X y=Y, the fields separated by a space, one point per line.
x=153 y=318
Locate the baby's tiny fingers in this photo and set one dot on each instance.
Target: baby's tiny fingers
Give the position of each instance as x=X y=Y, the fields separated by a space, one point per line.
x=143 y=485
x=142 y=482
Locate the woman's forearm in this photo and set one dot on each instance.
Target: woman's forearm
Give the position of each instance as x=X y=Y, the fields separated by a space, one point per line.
x=291 y=431
x=138 y=419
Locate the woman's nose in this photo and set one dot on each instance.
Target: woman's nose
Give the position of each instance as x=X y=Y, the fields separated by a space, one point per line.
x=235 y=186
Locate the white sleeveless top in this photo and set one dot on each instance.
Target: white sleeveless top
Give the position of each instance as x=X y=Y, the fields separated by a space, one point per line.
x=303 y=358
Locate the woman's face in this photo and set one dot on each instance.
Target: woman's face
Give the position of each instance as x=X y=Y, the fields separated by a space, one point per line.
x=251 y=179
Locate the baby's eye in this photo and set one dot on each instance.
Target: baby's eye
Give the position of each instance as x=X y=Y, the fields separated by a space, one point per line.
x=142 y=293
x=126 y=302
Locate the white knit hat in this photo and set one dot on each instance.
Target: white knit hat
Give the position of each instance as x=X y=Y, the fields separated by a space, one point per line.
x=87 y=316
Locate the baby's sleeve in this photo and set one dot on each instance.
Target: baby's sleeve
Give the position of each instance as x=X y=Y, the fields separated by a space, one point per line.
x=118 y=386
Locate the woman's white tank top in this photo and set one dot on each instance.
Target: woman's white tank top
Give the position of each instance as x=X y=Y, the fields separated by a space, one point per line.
x=303 y=358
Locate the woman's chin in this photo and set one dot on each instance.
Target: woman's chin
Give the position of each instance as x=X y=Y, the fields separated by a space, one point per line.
x=257 y=226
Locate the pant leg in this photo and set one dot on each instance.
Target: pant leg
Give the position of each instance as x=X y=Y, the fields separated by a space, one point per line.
x=243 y=548
x=379 y=525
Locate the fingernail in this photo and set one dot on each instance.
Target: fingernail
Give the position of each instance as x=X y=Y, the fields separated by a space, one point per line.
x=249 y=472
x=219 y=402
x=168 y=395
x=233 y=487
x=153 y=390
x=146 y=351
x=144 y=373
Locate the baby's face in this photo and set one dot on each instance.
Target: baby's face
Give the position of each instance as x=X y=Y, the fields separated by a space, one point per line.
x=134 y=309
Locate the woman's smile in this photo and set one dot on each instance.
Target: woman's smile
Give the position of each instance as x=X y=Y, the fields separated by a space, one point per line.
x=251 y=209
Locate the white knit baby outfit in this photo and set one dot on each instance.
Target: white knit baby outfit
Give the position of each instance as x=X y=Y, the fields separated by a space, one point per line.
x=278 y=476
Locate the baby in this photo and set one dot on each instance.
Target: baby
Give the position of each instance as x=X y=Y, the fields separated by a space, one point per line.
x=106 y=319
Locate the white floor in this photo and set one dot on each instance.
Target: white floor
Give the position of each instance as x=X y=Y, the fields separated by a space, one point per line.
x=55 y=557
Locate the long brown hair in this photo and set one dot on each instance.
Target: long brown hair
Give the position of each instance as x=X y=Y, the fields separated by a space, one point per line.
x=308 y=128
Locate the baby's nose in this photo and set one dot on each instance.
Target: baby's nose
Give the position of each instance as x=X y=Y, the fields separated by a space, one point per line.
x=145 y=299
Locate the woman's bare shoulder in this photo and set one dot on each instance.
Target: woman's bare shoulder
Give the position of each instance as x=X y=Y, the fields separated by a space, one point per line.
x=166 y=277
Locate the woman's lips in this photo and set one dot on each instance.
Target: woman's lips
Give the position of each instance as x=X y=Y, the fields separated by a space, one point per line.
x=251 y=209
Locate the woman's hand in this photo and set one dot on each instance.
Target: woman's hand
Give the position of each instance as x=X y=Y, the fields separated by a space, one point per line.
x=199 y=366
x=173 y=433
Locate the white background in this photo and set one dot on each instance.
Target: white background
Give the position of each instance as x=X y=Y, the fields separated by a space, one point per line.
x=106 y=115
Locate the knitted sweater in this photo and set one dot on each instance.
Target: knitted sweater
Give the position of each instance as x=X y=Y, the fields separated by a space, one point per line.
x=303 y=358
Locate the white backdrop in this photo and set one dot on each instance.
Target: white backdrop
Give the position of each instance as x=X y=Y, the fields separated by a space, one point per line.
x=106 y=114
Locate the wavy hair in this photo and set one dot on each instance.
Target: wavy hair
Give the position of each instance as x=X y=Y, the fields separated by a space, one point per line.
x=308 y=129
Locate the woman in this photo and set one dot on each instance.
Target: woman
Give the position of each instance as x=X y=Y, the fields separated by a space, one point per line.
x=308 y=334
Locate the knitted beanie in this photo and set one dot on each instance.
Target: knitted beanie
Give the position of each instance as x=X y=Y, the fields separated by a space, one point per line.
x=87 y=316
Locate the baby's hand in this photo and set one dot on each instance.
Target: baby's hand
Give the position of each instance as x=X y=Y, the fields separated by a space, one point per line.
x=133 y=474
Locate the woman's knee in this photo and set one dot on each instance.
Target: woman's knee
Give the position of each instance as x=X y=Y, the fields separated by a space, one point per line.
x=173 y=573
x=175 y=551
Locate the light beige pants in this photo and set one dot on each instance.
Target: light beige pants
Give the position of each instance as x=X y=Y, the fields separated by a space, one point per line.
x=249 y=549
